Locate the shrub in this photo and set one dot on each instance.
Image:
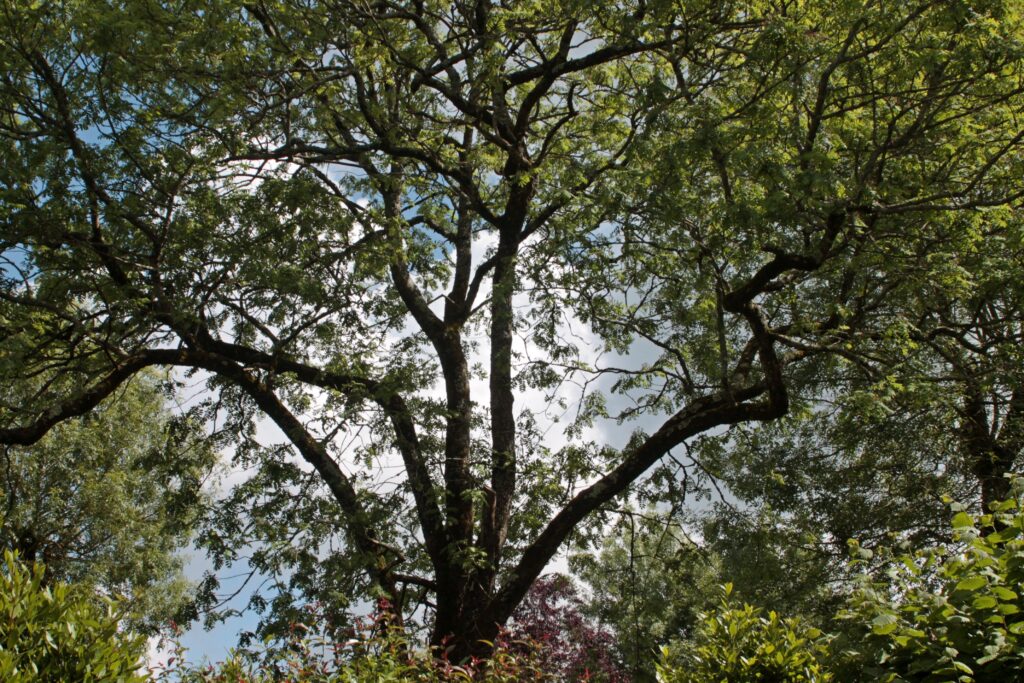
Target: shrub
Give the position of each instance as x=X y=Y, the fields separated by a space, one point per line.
x=739 y=644
x=61 y=632
x=378 y=654
x=569 y=646
x=949 y=613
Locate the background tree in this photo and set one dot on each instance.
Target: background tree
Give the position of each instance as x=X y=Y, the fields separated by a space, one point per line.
x=647 y=584
x=928 y=409
x=329 y=207
x=109 y=499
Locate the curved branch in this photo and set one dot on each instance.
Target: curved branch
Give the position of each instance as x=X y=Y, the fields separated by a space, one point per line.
x=315 y=454
x=719 y=409
x=394 y=406
x=89 y=398
x=697 y=417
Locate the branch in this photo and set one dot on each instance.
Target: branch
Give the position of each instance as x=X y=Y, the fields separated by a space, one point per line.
x=314 y=453
x=394 y=406
x=697 y=417
x=89 y=398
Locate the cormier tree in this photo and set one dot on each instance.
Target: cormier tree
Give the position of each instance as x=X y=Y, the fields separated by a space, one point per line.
x=381 y=225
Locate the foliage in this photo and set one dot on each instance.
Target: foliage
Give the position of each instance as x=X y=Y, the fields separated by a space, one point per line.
x=413 y=234
x=107 y=500
x=799 y=490
x=61 y=632
x=648 y=585
x=377 y=653
x=736 y=644
x=947 y=371
x=569 y=647
x=948 y=613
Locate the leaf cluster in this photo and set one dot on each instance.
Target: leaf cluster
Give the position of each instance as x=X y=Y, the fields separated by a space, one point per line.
x=949 y=613
x=62 y=632
x=739 y=643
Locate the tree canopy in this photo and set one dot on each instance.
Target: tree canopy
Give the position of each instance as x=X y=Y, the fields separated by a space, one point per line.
x=415 y=234
x=108 y=499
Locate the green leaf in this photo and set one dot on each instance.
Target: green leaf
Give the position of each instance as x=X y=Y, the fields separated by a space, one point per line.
x=971 y=583
x=883 y=624
x=1003 y=593
x=984 y=602
x=962 y=520
x=960 y=666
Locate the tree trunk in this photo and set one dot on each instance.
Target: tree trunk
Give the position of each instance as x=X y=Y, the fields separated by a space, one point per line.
x=991 y=460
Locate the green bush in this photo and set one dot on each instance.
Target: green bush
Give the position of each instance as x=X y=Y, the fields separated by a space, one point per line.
x=949 y=613
x=739 y=644
x=61 y=632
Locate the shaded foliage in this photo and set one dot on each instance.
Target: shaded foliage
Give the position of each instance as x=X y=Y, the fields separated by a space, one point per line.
x=109 y=499
x=648 y=584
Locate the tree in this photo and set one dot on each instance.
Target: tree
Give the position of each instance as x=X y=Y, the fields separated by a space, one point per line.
x=108 y=499
x=381 y=225
x=648 y=584
x=928 y=409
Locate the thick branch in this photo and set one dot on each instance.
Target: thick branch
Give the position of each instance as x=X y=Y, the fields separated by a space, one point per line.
x=395 y=408
x=503 y=426
x=308 y=447
x=696 y=418
x=723 y=408
x=447 y=342
x=314 y=453
x=87 y=399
